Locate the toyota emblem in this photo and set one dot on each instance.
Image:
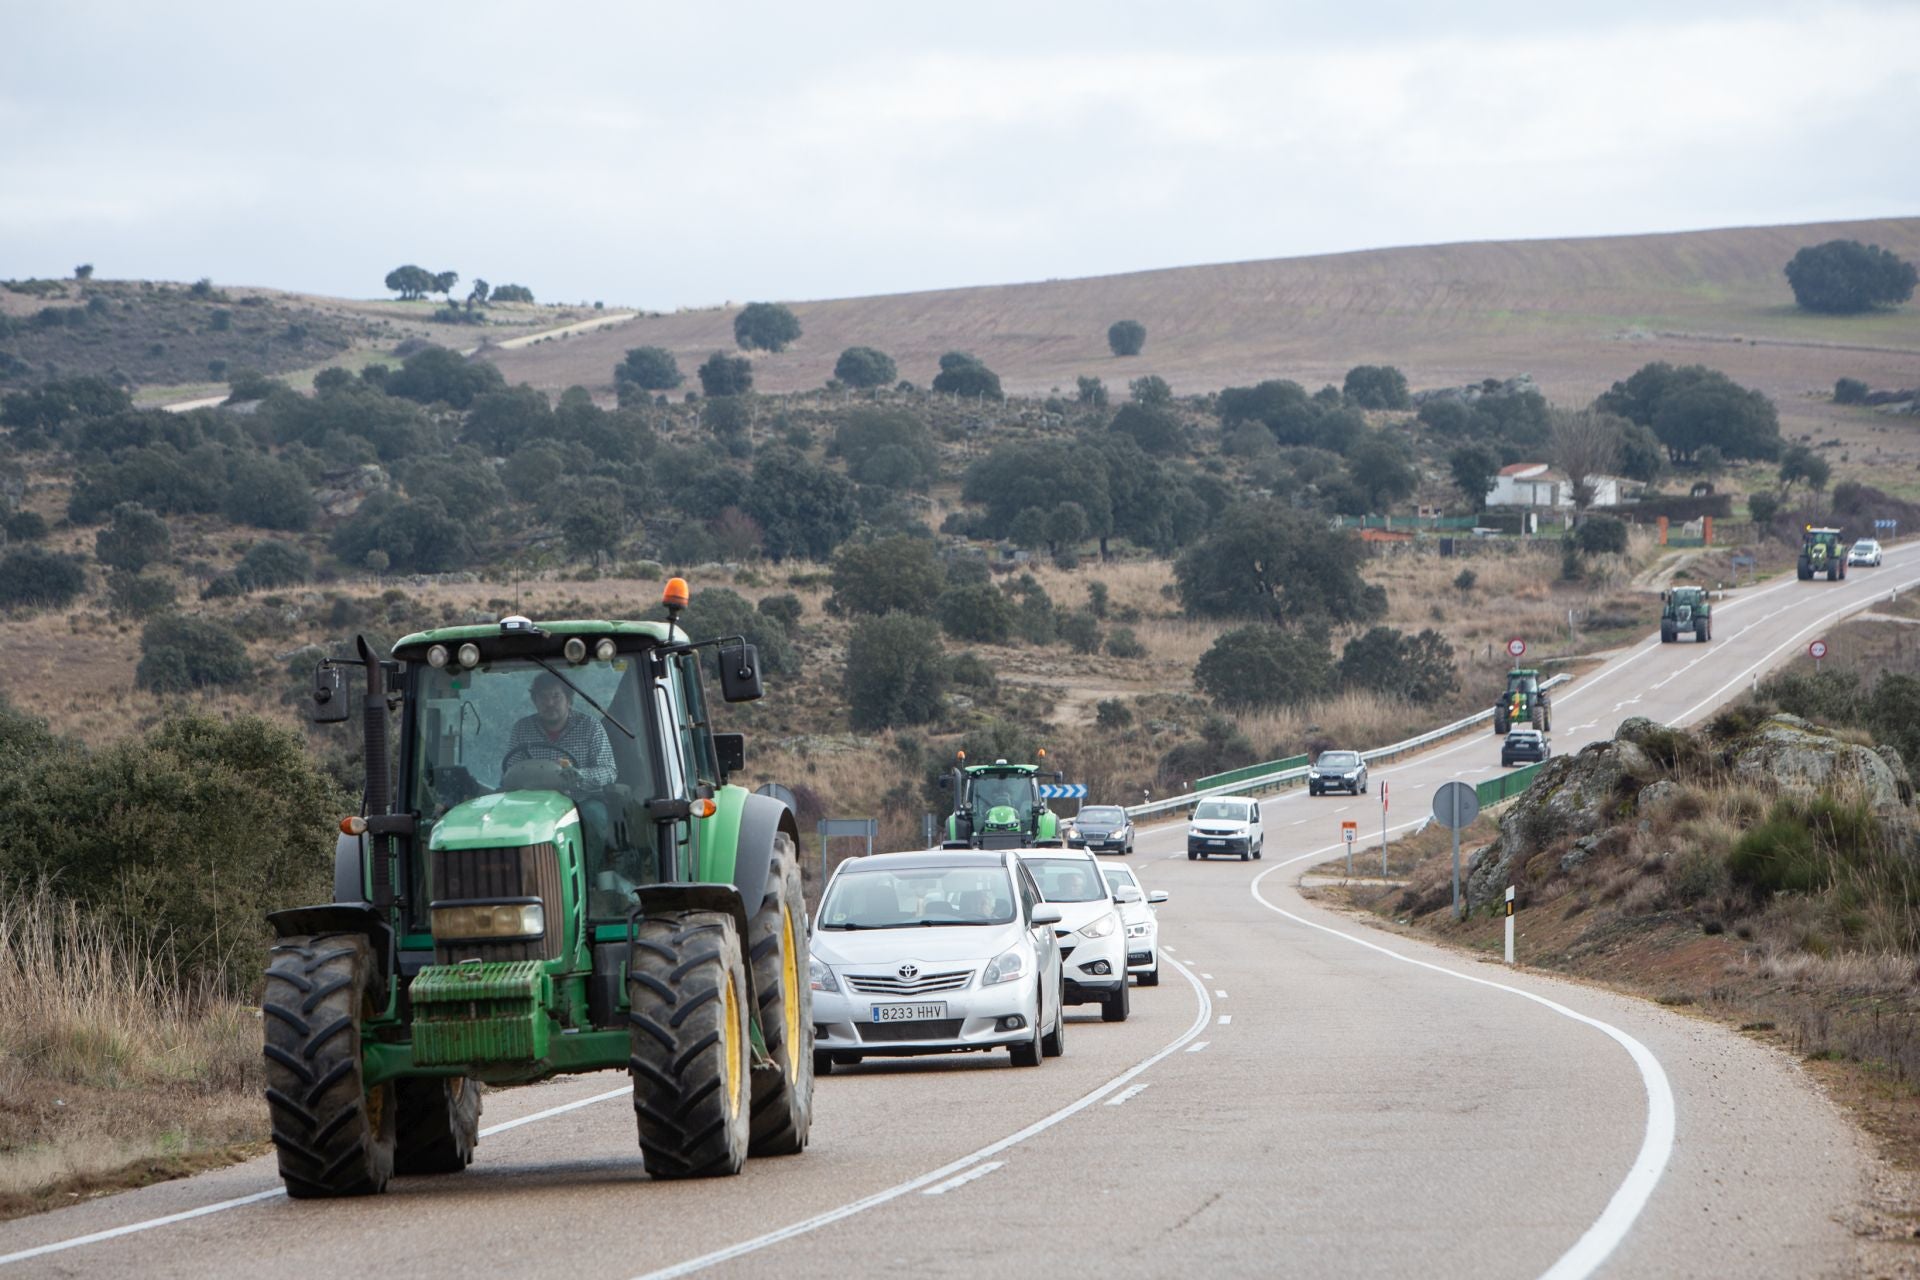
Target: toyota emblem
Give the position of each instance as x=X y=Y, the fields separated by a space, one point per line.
x=908 y=972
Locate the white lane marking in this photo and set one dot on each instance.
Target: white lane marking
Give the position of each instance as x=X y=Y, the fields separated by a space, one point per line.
x=1221 y=994
x=1198 y=1045
x=1225 y=1019
x=848 y=1210
x=1207 y=976
x=132 y=1228
x=1131 y=1091
x=1656 y=1147
x=962 y=1179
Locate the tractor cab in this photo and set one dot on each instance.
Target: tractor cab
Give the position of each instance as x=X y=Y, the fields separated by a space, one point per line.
x=1522 y=703
x=551 y=872
x=999 y=806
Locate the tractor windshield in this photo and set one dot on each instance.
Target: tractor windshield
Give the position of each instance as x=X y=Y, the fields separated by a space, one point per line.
x=514 y=725
x=990 y=792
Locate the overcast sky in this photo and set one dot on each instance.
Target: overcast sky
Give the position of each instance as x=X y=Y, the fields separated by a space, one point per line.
x=668 y=155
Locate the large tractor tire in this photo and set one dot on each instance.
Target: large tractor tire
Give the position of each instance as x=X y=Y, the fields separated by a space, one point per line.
x=1542 y=715
x=777 y=950
x=687 y=983
x=439 y=1124
x=1668 y=633
x=1702 y=633
x=1804 y=570
x=333 y=1135
x=1500 y=721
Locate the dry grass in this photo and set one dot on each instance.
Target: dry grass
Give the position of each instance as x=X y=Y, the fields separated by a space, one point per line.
x=108 y=1059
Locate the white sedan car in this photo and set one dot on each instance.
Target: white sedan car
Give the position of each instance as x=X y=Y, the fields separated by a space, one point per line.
x=1093 y=942
x=1865 y=551
x=938 y=952
x=1143 y=927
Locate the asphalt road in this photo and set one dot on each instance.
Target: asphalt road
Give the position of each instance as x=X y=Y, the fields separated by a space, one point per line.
x=1301 y=1096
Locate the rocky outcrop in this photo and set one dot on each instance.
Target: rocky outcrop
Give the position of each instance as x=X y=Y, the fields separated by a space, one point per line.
x=1793 y=755
x=1571 y=797
x=340 y=493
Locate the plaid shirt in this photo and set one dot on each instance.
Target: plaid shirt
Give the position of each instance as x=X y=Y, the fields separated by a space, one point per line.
x=581 y=746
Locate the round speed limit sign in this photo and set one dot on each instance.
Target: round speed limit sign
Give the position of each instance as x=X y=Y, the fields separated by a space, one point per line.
x=1817 y=650
x=1516 y=647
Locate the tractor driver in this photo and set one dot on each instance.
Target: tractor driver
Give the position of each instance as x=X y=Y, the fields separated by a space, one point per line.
x=576 y=742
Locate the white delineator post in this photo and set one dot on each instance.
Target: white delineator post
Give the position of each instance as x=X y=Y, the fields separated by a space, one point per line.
x=1509 y=924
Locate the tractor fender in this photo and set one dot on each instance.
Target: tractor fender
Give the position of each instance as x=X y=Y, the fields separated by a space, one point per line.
x=342 y=917
x=350 y=869
x=665 y=899
x=761 y=818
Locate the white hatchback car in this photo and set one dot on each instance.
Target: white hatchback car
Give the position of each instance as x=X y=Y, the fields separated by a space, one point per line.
x=1142 y=925
x=1866 y=551
x=936 y=952
x=1093 y=941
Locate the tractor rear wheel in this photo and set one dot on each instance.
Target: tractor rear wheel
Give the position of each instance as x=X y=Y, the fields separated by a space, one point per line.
x=333 y=1135
x=687 y=984
x=1500 y=721
x=1702 y=634
x=777 y=950
x=439 y=1124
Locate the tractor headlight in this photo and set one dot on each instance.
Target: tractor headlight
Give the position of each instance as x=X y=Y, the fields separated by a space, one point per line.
x=1099 y=928
x=820 y=977
x=604 y=651
x=489 y=920
x=1004 y=967
x=469 y=655
x=437 y=656
x=575 y=650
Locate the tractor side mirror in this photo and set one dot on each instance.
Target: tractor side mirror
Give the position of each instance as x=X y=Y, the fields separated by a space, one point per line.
x=740 y=673
x=730 y=749
x=330 y=701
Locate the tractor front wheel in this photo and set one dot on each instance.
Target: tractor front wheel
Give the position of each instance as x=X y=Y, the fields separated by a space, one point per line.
x=333 y=1135
x=687 y=984
x=439 y=1124
x=777 y=949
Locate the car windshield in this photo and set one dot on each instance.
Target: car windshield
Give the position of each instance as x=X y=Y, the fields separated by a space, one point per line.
x=1339 y=759
x=1866 y=546
x=1119 y=878
x=1223 y=810
x=1066 y=879
x=1102 y=816
x=915 y=897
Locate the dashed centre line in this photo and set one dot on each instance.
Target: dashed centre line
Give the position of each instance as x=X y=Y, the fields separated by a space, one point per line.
x=1225 y=1018
x=962 y=1179
x=1131 y=1091
x=1198 y=1045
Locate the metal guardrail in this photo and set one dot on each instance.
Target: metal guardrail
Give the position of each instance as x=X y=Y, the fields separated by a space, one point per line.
x=1265 y=767
x=1505 y=787
x=1294 y=773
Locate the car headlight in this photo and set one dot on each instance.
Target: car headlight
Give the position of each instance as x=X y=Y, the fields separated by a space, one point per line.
x=1101 y=928
x=821 y=977
x=1313 y=773
x=1141 y=930
x=1004 y=967
x=1351 y=775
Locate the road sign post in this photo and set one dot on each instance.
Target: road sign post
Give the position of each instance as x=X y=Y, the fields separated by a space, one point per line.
x=1516 y=648
x=1456 y=804
x=1063 y=791
x=1817 y=650
x=1383 y=830
x=1348 y=830
x=1509 y=924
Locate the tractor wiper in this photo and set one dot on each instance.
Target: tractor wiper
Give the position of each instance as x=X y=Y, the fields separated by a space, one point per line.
x=562 y=677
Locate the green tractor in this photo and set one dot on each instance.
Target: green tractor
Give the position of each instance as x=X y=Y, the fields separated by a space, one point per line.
x=1822 y=551
x=550 y=874
x=1523 y=702
x=1685 y=609
x=998 y=805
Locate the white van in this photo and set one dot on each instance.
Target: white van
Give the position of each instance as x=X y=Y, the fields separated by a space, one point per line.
x=1225 y=825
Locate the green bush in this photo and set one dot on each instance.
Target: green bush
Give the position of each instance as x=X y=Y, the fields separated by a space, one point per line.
x=1124 y=644
x=1111 y=714
x=962 y=374
x=896 y=672
x=979 y=612
x=1126 y=337
x=179 y=654
x=901 y=574
x=865 y=367
x=725 y=375
x=191 y=833
x=139 y=595
x=785 y=609
x=650 y=368
x=719 y=611
x=767 y=326
x=38 y=578
x=269 y=563
x=135 y=539
x=1850 y=391
x=1081 y=630
x=1264 y=666
x=976 y=673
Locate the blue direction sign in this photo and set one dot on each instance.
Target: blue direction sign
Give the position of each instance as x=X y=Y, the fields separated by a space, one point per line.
x=1063 y=791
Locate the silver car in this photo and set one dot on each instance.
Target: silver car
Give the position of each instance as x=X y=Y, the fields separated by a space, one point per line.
x=938 y=952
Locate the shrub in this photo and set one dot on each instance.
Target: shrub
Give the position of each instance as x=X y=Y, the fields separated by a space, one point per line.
x=1377 y=386
x=896 y=672
x=901 y=574
x=962 y=374
x=1081 y=630
x=38 y=578
x=1124 y=644
x=785 y=609
x=651 y=368
x=1419 y=668
x=178 y=654
x=139 y=595
x=976 y=673
x=865 y=367
x=1111 y=714
x=1264 y=666
x=1850 y=391
x=135 y=539
x=1845 y=276
x=979 y=612
x=725 y=375
x=269 y=563
x=25 y=526
x=268 y=493
x=1464 y=581
x=767 y=326
x=1126 y=337
x=1600 y=535
x=1763 y=507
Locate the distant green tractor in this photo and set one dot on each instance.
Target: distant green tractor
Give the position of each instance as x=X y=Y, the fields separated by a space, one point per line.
x=550 y=874
x=1685 y=609
x=1523 y=702
x=998 y=806
x=1822 y=551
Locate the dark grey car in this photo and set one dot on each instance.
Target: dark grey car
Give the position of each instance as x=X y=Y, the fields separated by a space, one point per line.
x=1101 y=828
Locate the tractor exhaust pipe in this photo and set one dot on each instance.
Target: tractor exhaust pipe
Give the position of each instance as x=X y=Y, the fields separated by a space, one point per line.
x=379 y=795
